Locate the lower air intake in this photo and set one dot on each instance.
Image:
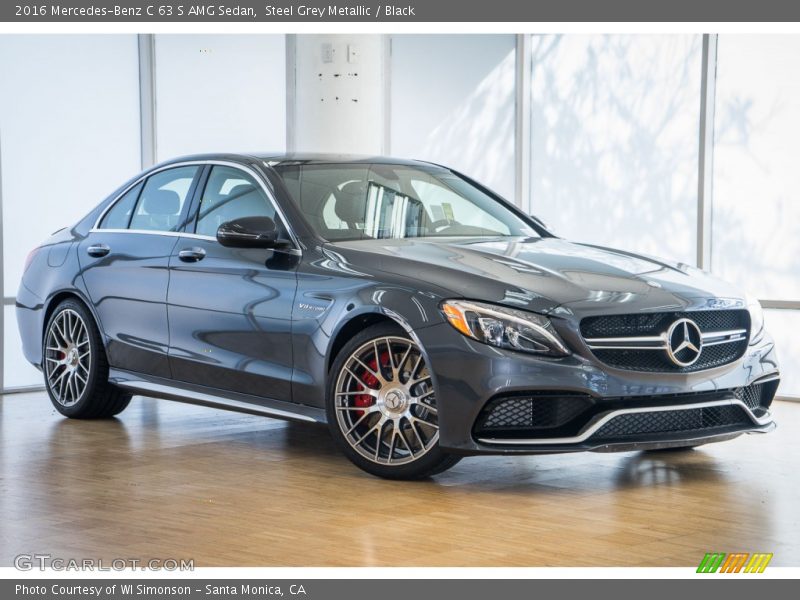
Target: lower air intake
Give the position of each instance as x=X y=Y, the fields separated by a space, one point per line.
x=507 y=415
x=672 y=421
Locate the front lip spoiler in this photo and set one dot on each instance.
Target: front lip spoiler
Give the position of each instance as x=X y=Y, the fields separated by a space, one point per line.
x=632 y=446
x=759 y=423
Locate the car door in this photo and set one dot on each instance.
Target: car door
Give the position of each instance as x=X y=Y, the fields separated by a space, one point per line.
x=230 y=308
x=125 y=260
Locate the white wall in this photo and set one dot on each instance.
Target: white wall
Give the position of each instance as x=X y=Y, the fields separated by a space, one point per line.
x=756 y=216
x=218 y=93
x=17 y=371
x=614 y=129
x=339 y=100
x=69 y=135
x=452 y=102
x=756 y=210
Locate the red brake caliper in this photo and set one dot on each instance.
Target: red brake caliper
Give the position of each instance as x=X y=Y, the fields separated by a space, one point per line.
x=365 y=400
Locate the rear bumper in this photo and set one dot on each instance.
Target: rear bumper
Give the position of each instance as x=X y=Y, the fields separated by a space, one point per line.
x=468 y=375
x=30 y=312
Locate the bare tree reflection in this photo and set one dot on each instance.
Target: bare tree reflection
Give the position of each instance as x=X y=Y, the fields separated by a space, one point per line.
x=614 y=139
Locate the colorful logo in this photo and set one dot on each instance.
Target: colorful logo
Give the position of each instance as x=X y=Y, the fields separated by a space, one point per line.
x=737 y=562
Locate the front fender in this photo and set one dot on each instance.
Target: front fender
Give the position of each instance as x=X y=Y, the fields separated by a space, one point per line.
x=330 y=308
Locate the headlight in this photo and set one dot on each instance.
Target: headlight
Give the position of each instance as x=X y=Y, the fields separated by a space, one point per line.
x=504 y=327
x=756 y=320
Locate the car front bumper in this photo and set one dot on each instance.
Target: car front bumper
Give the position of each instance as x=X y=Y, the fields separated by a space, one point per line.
x=661 y=410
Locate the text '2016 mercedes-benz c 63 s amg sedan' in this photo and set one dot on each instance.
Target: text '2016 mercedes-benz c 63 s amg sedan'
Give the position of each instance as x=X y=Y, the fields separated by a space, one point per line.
x=418 y=314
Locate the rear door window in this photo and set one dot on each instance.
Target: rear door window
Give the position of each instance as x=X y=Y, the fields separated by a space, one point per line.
x=119 y=217
x=163 y=198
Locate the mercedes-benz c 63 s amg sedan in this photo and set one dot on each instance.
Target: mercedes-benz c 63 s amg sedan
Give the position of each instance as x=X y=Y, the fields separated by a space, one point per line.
x=414 y=311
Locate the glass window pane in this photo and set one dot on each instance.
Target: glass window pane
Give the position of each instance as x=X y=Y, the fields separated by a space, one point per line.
x=349 y=202
x=231 y=194
x=783 y=325
x=453 y=104
x=162 y=200
x=120 y=214
x=614 y=129
x=756 y=213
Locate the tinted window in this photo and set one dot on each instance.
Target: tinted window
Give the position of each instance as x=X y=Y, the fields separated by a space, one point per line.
x=356 y=201
x=230 y=194
x=161 y=202
x=120 y=214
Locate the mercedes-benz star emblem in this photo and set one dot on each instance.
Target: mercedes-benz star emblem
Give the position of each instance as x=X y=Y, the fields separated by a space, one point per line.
x=684 y=342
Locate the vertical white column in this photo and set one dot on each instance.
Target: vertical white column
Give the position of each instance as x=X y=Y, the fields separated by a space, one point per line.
x=522 y=123
x=705 y=166
x=339 y=93
x=147 y=98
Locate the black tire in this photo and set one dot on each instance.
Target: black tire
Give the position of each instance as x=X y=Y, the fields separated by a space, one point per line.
x=432 y=459
x=64 y=368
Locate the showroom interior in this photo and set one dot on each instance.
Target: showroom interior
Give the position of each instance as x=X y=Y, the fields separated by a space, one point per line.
x=679 y=146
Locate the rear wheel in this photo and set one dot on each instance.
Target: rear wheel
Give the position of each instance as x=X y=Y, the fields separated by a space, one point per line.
x=382 y=406
x=75 y=366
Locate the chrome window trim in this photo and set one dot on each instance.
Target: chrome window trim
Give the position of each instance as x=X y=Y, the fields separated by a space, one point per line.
x=592 y=429
x=154 y=232
x=225 y=163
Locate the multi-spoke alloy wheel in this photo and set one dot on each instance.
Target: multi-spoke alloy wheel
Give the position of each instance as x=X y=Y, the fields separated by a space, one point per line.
x=384 y=406
x=75 y=365
x=385 y=402
x=68 y=357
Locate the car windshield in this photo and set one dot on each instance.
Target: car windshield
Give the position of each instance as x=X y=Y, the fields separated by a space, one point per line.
x=362 y=201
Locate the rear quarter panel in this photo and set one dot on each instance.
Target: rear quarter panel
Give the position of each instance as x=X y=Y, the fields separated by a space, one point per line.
x=53 y=272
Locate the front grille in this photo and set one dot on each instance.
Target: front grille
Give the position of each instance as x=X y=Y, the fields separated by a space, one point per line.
x=656 y=361
x=672 y=421
x=508 y=415
x=654 y=324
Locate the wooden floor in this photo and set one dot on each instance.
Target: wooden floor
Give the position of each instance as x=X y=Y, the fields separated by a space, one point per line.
x=167 y=480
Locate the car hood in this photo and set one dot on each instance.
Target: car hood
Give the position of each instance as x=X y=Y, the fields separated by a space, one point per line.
x=543 y=274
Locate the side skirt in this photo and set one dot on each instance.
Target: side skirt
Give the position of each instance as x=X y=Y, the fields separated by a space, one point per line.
x=178 y=391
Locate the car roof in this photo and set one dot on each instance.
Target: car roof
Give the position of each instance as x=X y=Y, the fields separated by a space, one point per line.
x=275 y=159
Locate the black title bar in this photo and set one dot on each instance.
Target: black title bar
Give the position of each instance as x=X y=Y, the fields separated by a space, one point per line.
x=288 y=11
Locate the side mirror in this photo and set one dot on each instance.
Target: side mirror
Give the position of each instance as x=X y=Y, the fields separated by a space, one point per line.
x=539 y=222
x=249 y=232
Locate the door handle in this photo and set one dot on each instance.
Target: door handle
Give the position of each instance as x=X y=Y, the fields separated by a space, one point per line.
x=191 y=254
x=98 y=250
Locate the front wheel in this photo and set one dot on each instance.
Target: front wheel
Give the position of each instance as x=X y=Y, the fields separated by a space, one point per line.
x=382 y=406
